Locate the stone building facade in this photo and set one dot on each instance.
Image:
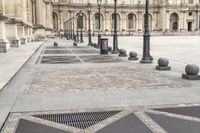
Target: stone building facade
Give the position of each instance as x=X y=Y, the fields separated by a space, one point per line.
x=167 y=17
x=22 y=21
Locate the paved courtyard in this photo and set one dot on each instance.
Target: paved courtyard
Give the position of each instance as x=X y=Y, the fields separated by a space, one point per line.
x=69 y=79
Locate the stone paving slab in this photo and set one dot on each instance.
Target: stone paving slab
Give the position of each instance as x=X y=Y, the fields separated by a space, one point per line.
x=137 y=119
x=39 y=87
x=10 y=64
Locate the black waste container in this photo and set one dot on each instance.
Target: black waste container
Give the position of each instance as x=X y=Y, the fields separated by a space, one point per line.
x=104 y=46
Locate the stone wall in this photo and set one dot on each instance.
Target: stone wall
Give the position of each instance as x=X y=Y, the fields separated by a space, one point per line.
x=166 y=17
x=22 y=21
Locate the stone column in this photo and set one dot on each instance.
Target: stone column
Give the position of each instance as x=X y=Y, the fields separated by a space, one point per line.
x=48 y=19
x=19 y=13
x=4 y=43
x=11 y=24
x=39 y=34
x=21 y=31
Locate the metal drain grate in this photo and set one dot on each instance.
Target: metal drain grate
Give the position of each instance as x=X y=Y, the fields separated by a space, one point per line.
x=57 y=51
x=78 y=120
x=85 y=51
x=58 y=47
x=59 y=60
x=100 y=59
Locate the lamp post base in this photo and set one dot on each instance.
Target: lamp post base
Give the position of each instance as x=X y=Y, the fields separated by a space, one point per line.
x=146 y=60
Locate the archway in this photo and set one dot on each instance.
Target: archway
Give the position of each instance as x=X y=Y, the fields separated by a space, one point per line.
x=131 y=23
x=174 y=22
x=55 y=21
x=96 y=22
x=113 y=21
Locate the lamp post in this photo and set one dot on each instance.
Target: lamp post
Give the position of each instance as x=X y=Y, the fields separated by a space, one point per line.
x=77 y=33
x=81 y=22
x=99 y=17
x=115 y=36
x=89 y=26
x=81 y=19
x=74 y=37
x=146 y=37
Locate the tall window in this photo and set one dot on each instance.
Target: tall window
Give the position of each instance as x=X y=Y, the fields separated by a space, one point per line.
x=97 y=21
x=113 y=20
x=130 y=21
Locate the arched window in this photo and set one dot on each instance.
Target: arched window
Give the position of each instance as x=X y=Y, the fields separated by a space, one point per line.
x=113 y=21
x=174 y=22
x=130 y=21
x=96 y=21
x=55 y=21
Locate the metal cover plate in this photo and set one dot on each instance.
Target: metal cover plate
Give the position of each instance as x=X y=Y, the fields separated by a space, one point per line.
x=78 y=120
x=25 y=126
x=85 y=51
x=175 y=125
x=100 y=59
x=59 y=60
x=187 y=111
x=128 y=124
x=58 y=47
x=57 y=51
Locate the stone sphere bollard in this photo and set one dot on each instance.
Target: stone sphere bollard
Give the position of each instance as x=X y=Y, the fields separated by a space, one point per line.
x=151 y=57
x=109 y=48
x=192 y=69
x=122 y=53
x=192 y=72
x=55 y=44
x=133 y=55
x=163 y=64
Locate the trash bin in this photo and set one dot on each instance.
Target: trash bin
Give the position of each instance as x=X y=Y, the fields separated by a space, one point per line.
x=104 y=46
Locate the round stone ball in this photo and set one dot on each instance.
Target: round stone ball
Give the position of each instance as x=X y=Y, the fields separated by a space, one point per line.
x=151 y=58
x=163 y=62
x=192 y=69
x=133 y=54
x=109 y=48
x=122 y=51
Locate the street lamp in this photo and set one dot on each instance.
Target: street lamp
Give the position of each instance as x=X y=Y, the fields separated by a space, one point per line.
x=99 y=35
x=115 y=36
x=146 y=37
x=77 y=33
x=81 y=19
x=89 y=26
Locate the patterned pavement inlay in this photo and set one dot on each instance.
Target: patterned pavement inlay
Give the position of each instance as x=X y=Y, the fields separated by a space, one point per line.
x=100 y=59
x=59 y=60
x=25 y=126
x=128 y=124
x=175 y=125
x=186 y=111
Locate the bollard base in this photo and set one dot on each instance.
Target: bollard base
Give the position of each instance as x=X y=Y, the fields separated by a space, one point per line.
x=122 y=55
x=163 y=68
x=191 y=77
x=132 y=59
x=75 y=44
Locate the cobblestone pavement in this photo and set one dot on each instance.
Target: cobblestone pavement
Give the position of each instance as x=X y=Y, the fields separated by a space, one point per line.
x=78 y=79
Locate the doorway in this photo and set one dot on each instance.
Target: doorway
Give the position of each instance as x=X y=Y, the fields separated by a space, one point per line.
x=189 y=26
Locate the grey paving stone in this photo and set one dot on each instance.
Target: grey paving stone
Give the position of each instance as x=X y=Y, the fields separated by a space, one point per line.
x=187 y=111
x=26 y=126
x=175 y=125
x=128 y=124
